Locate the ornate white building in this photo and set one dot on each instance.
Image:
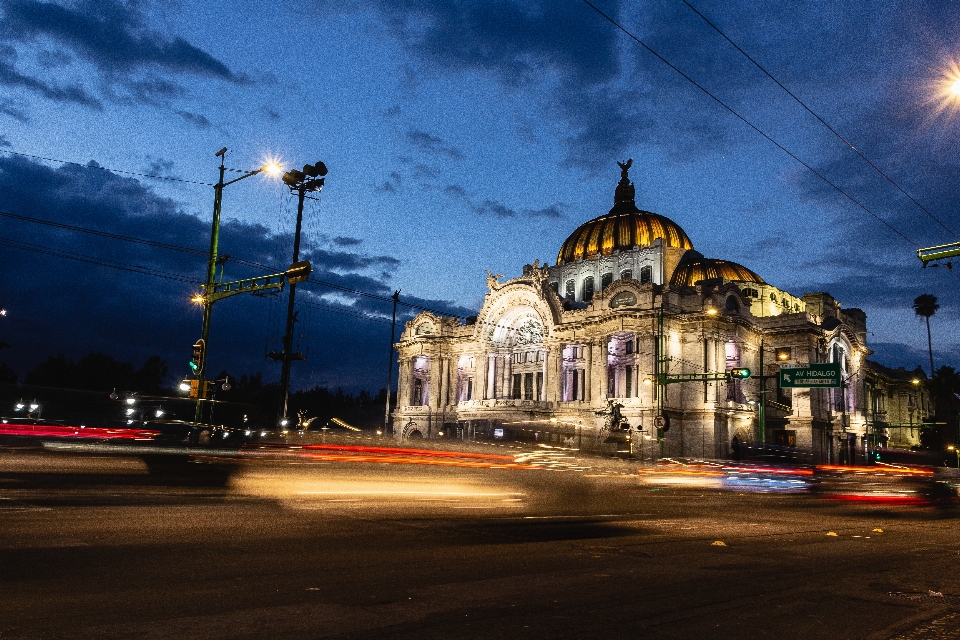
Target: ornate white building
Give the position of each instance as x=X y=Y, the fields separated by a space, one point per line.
x=563 y=354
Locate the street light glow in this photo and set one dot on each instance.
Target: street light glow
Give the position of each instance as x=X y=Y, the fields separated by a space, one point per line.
x=944 y=92
x=197 y=299
x=272 y=167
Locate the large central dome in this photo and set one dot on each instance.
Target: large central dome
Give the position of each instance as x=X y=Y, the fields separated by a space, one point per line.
x=623 y=228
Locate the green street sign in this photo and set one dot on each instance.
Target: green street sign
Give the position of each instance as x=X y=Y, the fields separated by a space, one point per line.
x=825 y=375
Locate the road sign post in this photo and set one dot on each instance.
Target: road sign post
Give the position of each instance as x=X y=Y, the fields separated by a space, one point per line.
x=824 y=375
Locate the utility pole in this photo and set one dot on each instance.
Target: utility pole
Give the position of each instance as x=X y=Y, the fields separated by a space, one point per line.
x=212 y=291
x=393 y=326
x=301 y=183
x=210 y=282
x=762 y=407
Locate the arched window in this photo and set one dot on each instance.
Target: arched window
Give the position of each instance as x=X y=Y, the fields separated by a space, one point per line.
x=605 y=280
x=420 y=381
x=571 y=289
x=734 y=386
x=842 y=397
x=646 y=274
x=626 y=275
x=588 y=289
x=732 y=305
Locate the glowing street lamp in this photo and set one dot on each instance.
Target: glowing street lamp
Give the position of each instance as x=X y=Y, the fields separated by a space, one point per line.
x=271 y=167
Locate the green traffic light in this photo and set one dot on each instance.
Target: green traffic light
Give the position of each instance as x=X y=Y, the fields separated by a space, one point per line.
x=740 y=373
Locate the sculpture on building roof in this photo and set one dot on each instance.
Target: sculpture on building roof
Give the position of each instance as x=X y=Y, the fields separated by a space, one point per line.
x=624 y=168
x=493 y=281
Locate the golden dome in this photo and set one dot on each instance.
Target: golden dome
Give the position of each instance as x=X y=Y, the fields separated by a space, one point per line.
x=694 y=267
x=623 y=228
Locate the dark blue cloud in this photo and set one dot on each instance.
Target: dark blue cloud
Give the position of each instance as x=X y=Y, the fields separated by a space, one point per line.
x=552 y=211
x=59 y=305
x=426 y=142
x=8 y=108
x=108 y=34
x=495 y=209
x=196 y=119
x=10 y=77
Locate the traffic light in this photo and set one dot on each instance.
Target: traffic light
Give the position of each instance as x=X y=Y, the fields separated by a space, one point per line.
x=739 y=373
x=199 y=354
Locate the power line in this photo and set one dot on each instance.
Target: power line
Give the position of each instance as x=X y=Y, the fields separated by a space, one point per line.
x=104 y=234
x=745 y=121
x=201 y=252
x=107 y=169
x=821 y=120
x=103 y=262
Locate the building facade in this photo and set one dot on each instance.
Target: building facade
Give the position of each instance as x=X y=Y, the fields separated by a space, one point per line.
x=630 y=324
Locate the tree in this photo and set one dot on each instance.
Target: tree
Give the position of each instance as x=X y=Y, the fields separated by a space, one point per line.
x=925 y=305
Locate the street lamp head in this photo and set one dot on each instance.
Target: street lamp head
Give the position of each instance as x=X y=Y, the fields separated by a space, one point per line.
x=197 y=298
x=272 y=167
x=315 y=170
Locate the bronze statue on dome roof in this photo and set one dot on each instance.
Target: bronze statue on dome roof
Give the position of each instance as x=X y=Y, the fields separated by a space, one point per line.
x=624 y=168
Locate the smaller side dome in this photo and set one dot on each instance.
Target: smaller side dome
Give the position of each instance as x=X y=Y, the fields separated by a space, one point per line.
x=694 y=267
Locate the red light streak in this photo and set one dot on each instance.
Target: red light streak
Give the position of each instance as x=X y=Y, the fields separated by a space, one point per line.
x=63 y=431
x=886 y=499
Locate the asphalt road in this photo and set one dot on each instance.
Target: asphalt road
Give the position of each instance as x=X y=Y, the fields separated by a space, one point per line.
x=94 y=547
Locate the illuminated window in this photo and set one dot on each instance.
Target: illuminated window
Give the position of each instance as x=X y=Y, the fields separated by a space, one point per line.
x=646 y=274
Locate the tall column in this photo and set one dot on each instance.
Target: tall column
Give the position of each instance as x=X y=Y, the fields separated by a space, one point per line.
x=556 y=380
x=491 y=376
x=543 y=386
x=480 y=377
x=436 y=383
x=403 y=383
x=589 y=382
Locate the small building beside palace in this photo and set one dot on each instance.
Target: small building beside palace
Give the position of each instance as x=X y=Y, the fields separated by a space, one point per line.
x=632 y=323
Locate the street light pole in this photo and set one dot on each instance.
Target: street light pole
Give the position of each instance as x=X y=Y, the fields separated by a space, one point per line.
x=393 y=327
x=761 y=410
x=210 y=281
x=301 y=182
x=210 y=285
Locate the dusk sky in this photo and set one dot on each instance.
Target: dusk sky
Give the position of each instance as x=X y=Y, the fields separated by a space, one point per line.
x=459 y=137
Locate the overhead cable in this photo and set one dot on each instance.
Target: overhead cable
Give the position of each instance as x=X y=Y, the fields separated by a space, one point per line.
x=821 y=120
x=746 y=122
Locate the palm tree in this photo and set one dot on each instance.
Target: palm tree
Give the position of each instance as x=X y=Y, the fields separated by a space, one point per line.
x=926 y=305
